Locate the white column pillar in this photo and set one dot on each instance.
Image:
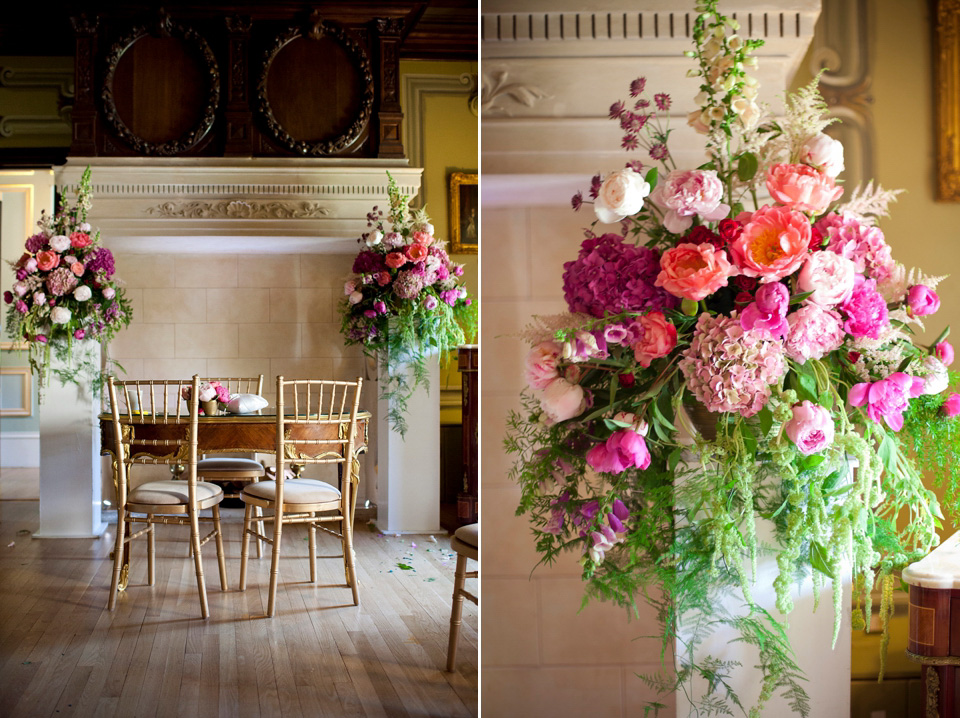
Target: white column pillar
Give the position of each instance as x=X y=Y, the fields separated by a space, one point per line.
x=408 y=468
x=70 y=501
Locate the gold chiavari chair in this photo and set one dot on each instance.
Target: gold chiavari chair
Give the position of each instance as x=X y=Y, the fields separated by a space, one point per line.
x=160 y=502
x=466 y=543
x=307 y=409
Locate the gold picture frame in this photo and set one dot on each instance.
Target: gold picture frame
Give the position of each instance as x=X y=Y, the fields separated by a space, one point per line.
x=464 y=213
x=947 y=82
x=25 y=407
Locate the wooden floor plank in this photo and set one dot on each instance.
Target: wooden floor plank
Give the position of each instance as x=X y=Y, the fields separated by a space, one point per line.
x=61 y=650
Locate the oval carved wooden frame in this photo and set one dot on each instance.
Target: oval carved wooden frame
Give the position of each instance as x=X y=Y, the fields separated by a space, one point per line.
x=166 y=27
x=361 y=63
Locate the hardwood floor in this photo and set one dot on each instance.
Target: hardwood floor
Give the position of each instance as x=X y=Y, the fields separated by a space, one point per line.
x=63 y=654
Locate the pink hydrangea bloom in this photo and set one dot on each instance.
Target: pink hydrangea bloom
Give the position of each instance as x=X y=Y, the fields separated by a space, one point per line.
x=888 y=398
x=694 y=271
x=729 y=369
x=865 y=245
x=774 y=243
x=802 y=187
x=814 y=332
x=60 y=281
x=768 y=313
x=685 y=194
x=810 y=428
x=623 y=449
x=866 y=310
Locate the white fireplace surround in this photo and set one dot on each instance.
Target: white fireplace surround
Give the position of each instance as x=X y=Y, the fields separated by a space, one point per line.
x=192 y=204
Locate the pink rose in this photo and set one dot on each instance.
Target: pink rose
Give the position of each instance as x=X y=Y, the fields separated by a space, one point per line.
x=417 y=252
x=829 y=276
x=396 y=259
x=621 y=194
x=424 y=238
x=80 y=240
x=383 y=278
x=77 y=268
x=802 y=188
x=888 y=398
x=47 y=260
x=922 y=300
x=773 y=243
x=624 y=449
x=562 y=400
x=694 y=271
x=944 y=352
x=541 y=364
x=813 y=333
x=951 y=407
x=768 y=313
x=688 y=193
x=810 y=429
x=656 y=337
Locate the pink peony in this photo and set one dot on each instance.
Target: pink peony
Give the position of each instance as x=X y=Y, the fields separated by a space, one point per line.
x=417 y=252
x=866 y=310
x=767 y=315
x=624 y=449
x=773 y=243
x=829 y=276
x=888 y=398
x=562 y=400
x=813 y=333
x=79 y=240
x=823 y=152
x=802 y=188
x=656 y=337
x=921 y=300
x=694 y=271
x=688 y=193
x=951 y=407
x=864 y=244
x=541 y=364
x=810 y=429
x=944 y=352
x=729 y=369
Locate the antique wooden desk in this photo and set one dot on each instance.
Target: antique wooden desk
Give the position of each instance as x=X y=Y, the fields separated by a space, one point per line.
x=227 y=434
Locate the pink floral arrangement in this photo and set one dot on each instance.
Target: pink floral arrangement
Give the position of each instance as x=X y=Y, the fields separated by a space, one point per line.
x=65 y=288
x=787 y=320
x=209 y=391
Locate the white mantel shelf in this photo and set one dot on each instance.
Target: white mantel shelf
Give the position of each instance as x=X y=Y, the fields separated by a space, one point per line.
x=263 y=205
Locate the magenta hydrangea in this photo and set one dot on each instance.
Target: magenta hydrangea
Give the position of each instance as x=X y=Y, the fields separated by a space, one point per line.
x=611 y=276
x=36 y=242
x=866 y=310
x=863 y=244
x=728 y=368
x=101 y=263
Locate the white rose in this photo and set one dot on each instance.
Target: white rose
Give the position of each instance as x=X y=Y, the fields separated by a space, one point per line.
x=374 y=238
x=621 y=194
x=82 y=293
x=393 y=240
x=109 y=293
x=936 y=379
x=829 y=276
x=59 y=243
x=824 y=152
x=60 y=315
x=428 y=228
x=85 y=227
x=356 y=297
x=562 y=400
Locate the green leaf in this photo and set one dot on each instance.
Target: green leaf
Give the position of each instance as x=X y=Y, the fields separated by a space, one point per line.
x=658 y=415
x=807 y=386
x=749 y=440
x=797 y=298
x=943 y=335
x=832 y=479
x=765 y=417
x=615 y=424
x=826 y=399
x=651 y=177
x=819 y=558
x=888 y=453
x=674 y=458
x=747 y=166
x=811 y=462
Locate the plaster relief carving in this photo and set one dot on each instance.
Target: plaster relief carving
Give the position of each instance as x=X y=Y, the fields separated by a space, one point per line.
x=497 y=90
x=238 y=209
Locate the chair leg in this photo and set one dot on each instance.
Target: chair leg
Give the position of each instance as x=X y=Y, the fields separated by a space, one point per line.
x=312 y=528
x=221 y=559
x=245 y=546
x=259 y=512
x=151 y=550
x=117 y=558
x=198 y=562
x=457 y=611
x=275 y=560
x=349 y=565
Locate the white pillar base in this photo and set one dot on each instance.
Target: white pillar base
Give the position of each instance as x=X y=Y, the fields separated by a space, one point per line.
x=70 y=500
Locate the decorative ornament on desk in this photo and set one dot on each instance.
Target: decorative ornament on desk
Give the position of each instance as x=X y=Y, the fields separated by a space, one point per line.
x=789 y=322
x=404 y=301
x=65 y=291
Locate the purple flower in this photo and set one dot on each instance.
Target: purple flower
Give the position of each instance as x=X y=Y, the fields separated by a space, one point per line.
x=36 y=242
x=408 y=284
x=22 y=273
x=629 y=143
x=603 y=540
x=577 y=201
x=663 y=101
x=659 y=152
x=60 y=281
x=430 y=302
x=21 y=306
x=768 y=314
x=866 y=310
x=79 y=334
x=368 y=262
x=369 y=313
x=888 y=398
x=637 y=86
x=595 y=184
x=620 y=510
x=922 y=300
x=380 y=307
x=616 y=109
x=555 y=524
x=8 y=297
x=101 y=262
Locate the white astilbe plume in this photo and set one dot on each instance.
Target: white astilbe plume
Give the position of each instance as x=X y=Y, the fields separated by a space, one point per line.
x=805 y=116
x=870 y=203
x=544 y=328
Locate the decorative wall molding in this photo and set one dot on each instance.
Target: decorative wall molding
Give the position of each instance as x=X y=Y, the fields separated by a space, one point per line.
x=498 y=92
x=19 y=449
x=239 y=209
x=38 y=77
x=11 y=125
x=414 y=91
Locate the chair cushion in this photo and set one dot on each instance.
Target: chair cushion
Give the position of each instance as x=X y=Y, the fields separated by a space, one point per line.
x=299 y=491
x=171 y=492
x=469 y=534
x=228 y=465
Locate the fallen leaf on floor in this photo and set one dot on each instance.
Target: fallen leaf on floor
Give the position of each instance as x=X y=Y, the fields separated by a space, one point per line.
x=23 y=532
x=12 y=543
x=404 y=567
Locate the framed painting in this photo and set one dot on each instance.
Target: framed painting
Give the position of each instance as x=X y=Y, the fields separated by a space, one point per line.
x=464 y=214
x=947 y=80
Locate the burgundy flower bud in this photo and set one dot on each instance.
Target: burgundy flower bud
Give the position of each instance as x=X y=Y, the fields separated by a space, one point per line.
x=626 y=380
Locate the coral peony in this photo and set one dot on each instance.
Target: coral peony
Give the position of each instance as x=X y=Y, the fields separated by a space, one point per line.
x=47 y=260
x=655 y=337
x=773 y=243
x=802 y=188
x=694 y=271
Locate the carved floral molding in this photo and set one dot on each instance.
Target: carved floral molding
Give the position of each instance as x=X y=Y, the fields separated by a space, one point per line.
x=238 y=209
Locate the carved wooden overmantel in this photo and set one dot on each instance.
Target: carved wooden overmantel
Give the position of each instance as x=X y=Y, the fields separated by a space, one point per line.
x=261 y=81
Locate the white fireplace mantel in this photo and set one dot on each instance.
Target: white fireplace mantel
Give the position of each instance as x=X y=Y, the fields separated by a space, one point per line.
x=263 y=205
